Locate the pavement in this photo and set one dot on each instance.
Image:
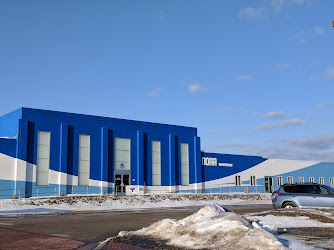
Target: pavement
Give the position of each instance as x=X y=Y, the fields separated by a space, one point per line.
x=83 y=230
x=120 y=246
x=16 y=239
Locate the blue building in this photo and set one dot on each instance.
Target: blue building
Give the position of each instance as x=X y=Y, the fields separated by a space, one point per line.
x=46 y=153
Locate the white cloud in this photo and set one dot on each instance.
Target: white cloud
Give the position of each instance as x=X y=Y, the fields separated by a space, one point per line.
x=319 y=107
x=269 y=126
x=247 y=77
x=300 y=36
x=282 y=65
x=314 y=143
x=330 y=74
x=292 y=122
x=155 y=93
x=160 y=15
x=251 y=13
x=226 y=109
x=280 y=152
x=193 y=88
x=319 y=30
x=298 y=2
x=277 y=5
x=275 y=114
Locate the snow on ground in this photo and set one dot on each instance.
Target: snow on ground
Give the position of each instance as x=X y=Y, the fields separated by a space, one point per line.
x=300 y=220
x=135 y=202
x=212 y=228
x=291 y=222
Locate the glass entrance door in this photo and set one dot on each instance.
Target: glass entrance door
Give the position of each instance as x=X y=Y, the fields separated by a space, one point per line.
x=268 y=184
x=121 y=181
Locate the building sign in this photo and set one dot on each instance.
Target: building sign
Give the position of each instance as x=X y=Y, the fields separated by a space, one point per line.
x=225 y=165
x=211 y=161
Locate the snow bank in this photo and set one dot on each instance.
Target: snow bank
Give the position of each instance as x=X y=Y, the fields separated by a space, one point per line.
x=111 y=202
x=212 y=228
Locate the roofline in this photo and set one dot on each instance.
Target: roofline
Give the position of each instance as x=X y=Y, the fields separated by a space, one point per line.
x=19 y=110
x=103 y=118
x=232 y=155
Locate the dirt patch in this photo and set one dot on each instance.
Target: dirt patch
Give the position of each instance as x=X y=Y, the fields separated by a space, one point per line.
x=318 y=237
x=324 y=232
x=145 y=242
x=98 y=200
x=16 y=239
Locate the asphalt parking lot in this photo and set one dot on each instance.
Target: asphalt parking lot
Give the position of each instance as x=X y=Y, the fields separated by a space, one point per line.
x=91 y=227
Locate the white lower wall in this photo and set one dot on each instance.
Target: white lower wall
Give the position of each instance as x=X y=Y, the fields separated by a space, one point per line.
x=270 y=167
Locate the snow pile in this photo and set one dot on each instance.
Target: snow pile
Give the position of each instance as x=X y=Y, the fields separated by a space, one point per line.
x=135 y=202
x=212 y=228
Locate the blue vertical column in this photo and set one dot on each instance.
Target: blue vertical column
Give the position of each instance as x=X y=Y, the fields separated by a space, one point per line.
x=140 y=158
x=21 y=159
x=104 y=158
x=63 y=152
x=171 y=180
x=110 y=177
x=198 y=163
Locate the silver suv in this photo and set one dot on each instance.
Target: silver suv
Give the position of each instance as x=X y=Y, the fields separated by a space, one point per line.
x=303 y=195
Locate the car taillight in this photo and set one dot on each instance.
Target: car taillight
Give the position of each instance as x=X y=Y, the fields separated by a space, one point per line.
x=276 y=194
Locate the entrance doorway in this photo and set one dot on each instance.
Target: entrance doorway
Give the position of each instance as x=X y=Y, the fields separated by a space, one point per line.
x=121 y=181
x=268 y=184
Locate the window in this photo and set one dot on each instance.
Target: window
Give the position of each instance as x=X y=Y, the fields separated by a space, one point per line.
x=156 y=163
x=290 y=179
x=311 y=179
x=301 y=180
x=237 y=180
x=303 y=189
x=43 y=158
x=320 y=190
x=325 y=191
x=279 y=181
x=122 y=154
x=84 y=160
x=331 y=181
x=321 y=180
x=289 y=189
x=184 y=164
x=253 y=181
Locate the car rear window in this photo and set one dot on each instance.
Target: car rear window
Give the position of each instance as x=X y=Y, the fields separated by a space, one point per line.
x=288 y=189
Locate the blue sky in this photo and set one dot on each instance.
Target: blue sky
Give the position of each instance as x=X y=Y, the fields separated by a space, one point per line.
x=255 y=77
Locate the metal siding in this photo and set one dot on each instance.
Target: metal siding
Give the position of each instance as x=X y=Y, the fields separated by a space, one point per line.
x=240 y=163
x=90 y=125
x=9 y=123
x=8 y=147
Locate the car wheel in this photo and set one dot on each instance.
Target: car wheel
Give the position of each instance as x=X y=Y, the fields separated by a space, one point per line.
x=289 y=205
